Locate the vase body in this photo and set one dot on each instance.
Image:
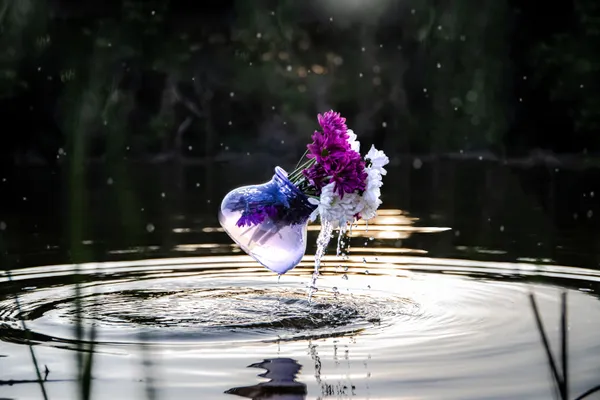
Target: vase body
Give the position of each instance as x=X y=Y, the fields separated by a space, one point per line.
x=268 y=221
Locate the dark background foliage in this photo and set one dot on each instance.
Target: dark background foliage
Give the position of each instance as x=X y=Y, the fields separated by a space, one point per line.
x=157 y=80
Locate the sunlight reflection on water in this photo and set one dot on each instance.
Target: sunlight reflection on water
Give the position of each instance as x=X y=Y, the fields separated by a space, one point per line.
x=387 y=321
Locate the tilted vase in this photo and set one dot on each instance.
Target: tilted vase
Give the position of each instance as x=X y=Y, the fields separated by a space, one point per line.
x=278 y=242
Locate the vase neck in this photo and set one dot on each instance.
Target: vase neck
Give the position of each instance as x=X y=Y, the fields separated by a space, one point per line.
x=297 y=199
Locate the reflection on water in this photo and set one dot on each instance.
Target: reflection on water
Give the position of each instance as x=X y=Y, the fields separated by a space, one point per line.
x=389 y=317
x=282 y=384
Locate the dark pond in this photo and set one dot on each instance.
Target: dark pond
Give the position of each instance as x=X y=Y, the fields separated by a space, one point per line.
x=432 y=301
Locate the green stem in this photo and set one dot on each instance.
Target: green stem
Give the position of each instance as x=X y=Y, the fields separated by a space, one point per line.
x=300 y=160
x=298 y=171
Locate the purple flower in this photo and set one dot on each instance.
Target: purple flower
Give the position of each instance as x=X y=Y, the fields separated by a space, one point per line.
x=257 y=216
x=348 y=173
x=335 y=160
x=333 y=124
x=318 y=148
x=316 y=176
x=333 y=139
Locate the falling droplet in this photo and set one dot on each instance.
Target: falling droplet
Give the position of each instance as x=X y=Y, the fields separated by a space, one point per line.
x=345 y=277
x=150 y=228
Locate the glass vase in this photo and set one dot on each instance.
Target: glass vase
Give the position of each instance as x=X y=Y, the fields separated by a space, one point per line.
x=269 y=221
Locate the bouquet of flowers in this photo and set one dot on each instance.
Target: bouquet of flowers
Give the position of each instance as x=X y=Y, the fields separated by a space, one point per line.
x=332 y=181
x=342 y=186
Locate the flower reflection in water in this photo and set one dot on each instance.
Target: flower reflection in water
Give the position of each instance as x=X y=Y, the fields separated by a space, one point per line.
x=282 y=385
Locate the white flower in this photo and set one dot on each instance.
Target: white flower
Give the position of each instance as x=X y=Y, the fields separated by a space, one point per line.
x=354 y=144
x=378 y=159
x=370 y=199
x=326 y=207
x=336 y=210
x=341 y=211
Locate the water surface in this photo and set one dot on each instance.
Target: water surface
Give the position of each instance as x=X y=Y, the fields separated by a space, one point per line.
x=427 y=304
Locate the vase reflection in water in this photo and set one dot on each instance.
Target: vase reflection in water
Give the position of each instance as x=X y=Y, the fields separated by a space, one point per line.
x=269 y=221
x=282 y=384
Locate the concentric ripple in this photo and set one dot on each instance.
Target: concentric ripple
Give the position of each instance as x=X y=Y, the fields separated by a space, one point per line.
x=434 y=320
x=186 y=299
x=202 y=298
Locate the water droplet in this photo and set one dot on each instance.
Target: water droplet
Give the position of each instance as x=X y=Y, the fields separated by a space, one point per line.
x=231 y=94
x=360 y=75
x=591 y=194
x=366 y=272
x=457 y=233
x=24 y=198
x=439 y=65
x=364 y=260
x=109 y=181
x=417 y=163
x=258 y=35
x=384 y=124
x=150 y=228
x=346 y=268
x=371 y=238
x=590 y=213
x=289 y=68
x=345 y=277
x=368 y=286
x=2 y=225
x=162 y=194
x=189 y=147
x=501 y=228
x=230 y=123
x=197 y=184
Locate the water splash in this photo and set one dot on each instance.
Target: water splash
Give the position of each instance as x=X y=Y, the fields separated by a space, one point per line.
x=322 y=242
